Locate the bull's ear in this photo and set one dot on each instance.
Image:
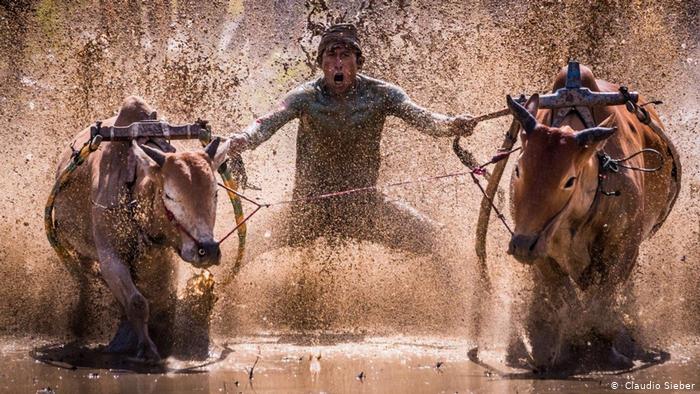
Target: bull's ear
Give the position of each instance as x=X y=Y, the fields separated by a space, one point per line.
x=147 y=157
x=217 y=150
x=533 y=104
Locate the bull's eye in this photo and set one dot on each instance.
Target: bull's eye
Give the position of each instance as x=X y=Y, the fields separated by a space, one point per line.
x=570 y=182
x=517 y=172
x=167 y=197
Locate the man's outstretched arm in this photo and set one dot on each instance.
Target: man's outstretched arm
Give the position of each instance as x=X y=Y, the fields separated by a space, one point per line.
x=264 y=127
x=431 y=123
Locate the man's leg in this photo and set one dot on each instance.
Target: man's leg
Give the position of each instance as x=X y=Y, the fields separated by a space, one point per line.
x=364 y=216
x=306 y=221
x=397 y=225
x=291 y=225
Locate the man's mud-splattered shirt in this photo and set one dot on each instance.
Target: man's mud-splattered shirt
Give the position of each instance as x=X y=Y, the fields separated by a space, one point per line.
x=338 y=139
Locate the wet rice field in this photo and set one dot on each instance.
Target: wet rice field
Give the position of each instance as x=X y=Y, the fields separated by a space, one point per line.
x=356 y=317
x=371 y=365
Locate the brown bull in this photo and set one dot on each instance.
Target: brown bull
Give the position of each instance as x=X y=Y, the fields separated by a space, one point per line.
x=582 y=242
x=128 y=198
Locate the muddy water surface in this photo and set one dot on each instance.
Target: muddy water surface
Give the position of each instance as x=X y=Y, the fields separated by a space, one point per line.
x=371 y=365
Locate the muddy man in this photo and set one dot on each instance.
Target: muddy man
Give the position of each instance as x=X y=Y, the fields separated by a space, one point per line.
x=341 y=118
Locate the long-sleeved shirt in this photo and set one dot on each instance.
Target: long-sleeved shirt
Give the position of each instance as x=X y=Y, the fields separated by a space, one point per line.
x=338 y=138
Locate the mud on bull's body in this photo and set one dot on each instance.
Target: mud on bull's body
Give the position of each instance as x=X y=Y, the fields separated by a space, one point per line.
x=583 y=243
x=129 y=198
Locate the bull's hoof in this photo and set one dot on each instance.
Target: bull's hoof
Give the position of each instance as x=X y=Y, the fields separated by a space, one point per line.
x=517 y=355
x=148 y=353
x=125 y=340
x=627 y=345
x=601 y=353
x=617 y=361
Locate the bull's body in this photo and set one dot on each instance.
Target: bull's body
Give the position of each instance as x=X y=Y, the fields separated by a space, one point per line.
x=113 y=211
x=583 y=243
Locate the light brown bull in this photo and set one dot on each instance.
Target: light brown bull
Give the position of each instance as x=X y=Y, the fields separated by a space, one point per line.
x=128 y=198
x=583 y=243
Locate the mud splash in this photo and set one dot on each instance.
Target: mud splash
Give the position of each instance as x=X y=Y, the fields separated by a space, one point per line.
x=62 y=68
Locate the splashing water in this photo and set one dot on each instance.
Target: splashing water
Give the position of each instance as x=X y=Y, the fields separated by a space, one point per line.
x=64 y=66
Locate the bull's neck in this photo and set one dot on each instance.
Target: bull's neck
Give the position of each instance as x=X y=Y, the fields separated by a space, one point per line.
x=151 y=218
x=572 y=237
x=590 y=184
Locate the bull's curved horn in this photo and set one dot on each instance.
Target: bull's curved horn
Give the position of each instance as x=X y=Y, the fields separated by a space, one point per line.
x=212 y=147
x=594 y=134
x=155 y=154
x=522 y=114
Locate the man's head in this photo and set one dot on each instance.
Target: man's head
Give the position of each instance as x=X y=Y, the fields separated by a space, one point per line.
x=340 y=57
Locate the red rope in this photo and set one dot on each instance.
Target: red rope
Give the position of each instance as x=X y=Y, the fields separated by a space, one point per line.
x=241 y=223
x=481 y=170
x=473 y=172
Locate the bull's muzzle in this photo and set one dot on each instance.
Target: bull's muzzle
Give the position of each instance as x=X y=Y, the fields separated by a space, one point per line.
x=208 y=253
x=523 y=247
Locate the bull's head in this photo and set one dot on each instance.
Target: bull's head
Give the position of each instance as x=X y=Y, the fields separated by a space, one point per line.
x=554 y=181
x=182 y=190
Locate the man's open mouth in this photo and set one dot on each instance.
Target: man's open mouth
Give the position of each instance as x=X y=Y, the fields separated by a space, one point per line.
x=338 y=77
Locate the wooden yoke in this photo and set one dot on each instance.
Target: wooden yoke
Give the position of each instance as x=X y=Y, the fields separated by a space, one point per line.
x=151 y=129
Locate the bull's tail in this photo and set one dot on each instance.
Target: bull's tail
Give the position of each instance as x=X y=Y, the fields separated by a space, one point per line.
x=676 y=169
x=77 y=159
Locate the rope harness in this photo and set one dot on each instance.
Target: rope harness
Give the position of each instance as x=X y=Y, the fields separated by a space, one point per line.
x=573 y=97
x=231 y=185
x=608 y=164
x=473 y=172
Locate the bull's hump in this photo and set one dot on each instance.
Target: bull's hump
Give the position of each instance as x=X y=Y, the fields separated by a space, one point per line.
x=587 y=79
x=133 y=109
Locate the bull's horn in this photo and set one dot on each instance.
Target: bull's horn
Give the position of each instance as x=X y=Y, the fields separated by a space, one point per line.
x=155 y=154
x=594 y=134
x=212 y=147
x=522 y=114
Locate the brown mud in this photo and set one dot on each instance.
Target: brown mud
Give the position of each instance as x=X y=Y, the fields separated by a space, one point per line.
x=379 y=365
x=63 y=66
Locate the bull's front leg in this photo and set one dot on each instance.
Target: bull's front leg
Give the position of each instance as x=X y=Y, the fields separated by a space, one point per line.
x=116 y=274
x=617 y=263
x=549 y=321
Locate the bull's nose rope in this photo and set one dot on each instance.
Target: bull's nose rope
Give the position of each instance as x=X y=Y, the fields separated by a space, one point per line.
x=481 y=171
x=240 y=219
x=171 y=217
x=614 y=165
x=231 y=185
